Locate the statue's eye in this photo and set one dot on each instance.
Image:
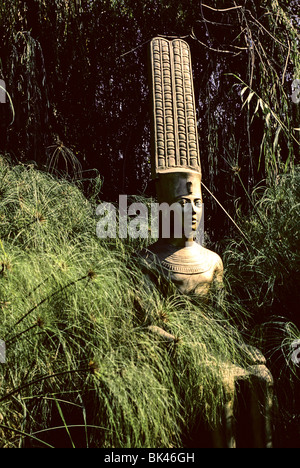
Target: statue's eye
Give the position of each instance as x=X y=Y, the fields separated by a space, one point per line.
x=183 y=202
x=198 y=203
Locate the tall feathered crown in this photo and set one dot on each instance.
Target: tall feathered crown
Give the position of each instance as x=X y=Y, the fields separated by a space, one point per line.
x=175 y=144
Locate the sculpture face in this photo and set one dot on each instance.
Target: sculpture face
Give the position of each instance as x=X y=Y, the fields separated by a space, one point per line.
x=191 y=211
x=182 y=191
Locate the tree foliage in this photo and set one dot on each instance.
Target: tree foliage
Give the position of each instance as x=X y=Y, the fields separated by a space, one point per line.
x=77 y=78
x=77 y=74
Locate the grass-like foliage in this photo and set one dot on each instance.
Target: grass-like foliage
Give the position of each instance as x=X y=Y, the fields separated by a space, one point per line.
x=82 y=368
x=263 y=276
x=264 y=271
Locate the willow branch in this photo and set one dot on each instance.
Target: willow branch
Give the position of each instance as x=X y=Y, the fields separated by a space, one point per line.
x=286 y=63
x=222 y=9
x=221 y=51
x=266 y=30
x=226 y=212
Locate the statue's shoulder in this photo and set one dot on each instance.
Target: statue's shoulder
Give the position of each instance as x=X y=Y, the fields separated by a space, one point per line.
x=216 y=259
x=150 y=253
x=217 y=267
x=149 y=258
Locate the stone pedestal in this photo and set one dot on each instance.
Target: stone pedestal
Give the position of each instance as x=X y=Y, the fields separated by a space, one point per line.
x=247 y=414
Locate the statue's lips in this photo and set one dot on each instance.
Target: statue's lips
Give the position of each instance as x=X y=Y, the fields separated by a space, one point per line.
x=194 y=221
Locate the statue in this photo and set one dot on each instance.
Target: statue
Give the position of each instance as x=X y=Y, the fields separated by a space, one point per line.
x=176 y=169
x=177 y=256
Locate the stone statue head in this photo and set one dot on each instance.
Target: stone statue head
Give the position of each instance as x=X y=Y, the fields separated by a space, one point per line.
x=176 y=166
x=181 y=190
